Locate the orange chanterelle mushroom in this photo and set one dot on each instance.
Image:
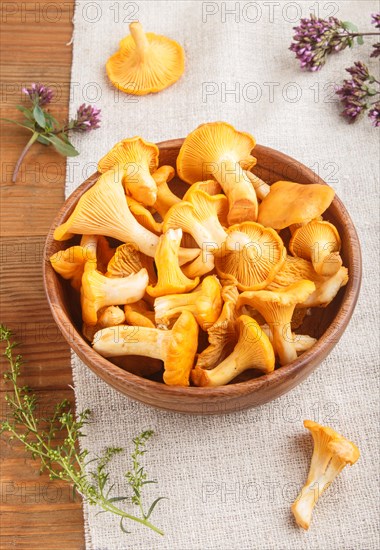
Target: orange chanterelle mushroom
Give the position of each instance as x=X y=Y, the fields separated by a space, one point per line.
x=146 y=63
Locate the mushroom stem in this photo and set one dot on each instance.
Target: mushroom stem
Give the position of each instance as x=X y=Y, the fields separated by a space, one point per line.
x=283 y=343
x=241 y=195
x=140 y=39
x=126 y=340
x=326 y=262
x=262 y=189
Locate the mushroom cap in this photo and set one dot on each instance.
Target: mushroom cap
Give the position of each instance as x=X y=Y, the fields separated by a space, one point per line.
x=254 y=265
x=130 y=152
x=254 y=346
x=207 y=205
x=288 y=296
x=70 y=263
x=139 y=315
x=289 y=203
x=143 y=216
x=341 y=447
x=304 y=238
x=162 y=65
x=211 y=187
x=181 y=350
x=163 y=174
x=125 y=261
x=212 y=143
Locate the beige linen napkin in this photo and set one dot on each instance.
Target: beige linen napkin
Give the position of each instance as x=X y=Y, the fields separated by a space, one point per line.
x=231 y=478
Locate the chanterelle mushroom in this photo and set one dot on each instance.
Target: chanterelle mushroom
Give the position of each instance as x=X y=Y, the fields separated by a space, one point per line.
x=99 y=291
x=70 y=263
x=103 y=210
x=165 y=197
x=262 y=189
x=109 y=316
x=199 y=217
x=146 y=63
x=277 y=309
x=144 y=216
x=332 y=452
x=297 y=269
x=289 y=203
x=223 y=334
x=171 y=280
x=205 y=302
x=253 y=351
x=216 y=150
x=176 y=347
x=252 y=256
x=318 y=241
x=134 y=159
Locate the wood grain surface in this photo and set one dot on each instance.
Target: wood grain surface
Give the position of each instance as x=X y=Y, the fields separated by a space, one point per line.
x=36 y=512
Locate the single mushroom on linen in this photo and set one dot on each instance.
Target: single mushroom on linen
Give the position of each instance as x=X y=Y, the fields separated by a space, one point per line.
x=146 y=63
x=134 y=160
x=289 y=203
x=176 y=347
x=332 y=452
x=216 y=150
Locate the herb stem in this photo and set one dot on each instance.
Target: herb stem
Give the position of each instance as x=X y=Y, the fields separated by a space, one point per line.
x=21 y=157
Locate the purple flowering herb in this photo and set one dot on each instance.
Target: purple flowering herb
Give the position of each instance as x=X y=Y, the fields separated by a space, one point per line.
x=87 y=119
x=376 y=50
x=375 y=20
x=374 y=114
x=39 y=94
x=355 y=93
x=46 y=129
x=316 y=38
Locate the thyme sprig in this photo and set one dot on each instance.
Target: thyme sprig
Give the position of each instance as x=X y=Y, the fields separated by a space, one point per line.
x=61 y=458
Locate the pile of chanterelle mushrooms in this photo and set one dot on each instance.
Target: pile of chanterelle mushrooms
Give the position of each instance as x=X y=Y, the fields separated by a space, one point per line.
x=213 y=262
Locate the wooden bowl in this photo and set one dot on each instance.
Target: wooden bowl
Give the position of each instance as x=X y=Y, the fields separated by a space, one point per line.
x=326 y=324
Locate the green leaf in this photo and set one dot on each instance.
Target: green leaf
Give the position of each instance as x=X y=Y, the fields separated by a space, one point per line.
x=118 y=499
x=65 y=149
x=360 y=40
x=123 y=528
x=350 y=26
x=153 y=506
x=43 y=140
x=27 y=112
x=16 y=122
x=39 y=116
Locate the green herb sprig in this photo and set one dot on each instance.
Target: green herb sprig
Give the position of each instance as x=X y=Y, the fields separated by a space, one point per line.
x=63 y=460
x=48 y=130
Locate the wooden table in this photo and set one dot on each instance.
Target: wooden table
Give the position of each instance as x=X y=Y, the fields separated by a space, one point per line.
x=36 y=512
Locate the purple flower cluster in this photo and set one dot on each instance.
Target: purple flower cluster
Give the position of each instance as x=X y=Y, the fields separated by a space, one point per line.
x=39 y=94
x=87 y=118
x=354 y=93
x=376 y=20
x=374 y=115
x=316 y=38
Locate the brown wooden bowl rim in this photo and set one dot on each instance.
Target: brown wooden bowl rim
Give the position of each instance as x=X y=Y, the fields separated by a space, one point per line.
x=323 y=346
